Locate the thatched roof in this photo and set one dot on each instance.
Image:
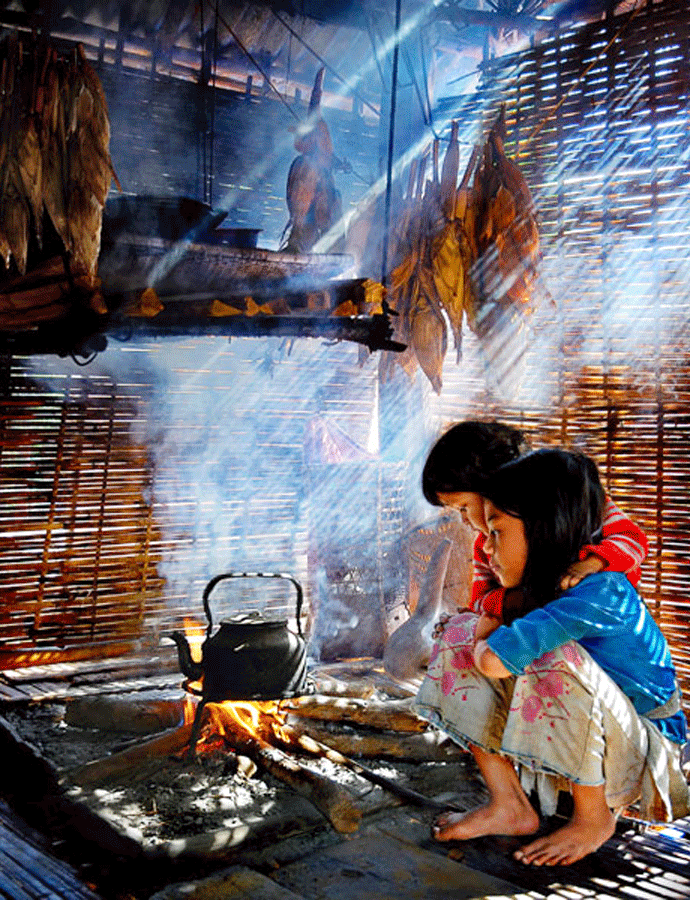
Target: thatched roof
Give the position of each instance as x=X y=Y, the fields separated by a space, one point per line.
x=274 y=31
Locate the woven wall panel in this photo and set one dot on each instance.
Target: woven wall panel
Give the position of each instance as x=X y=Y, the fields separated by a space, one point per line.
x=78 y=557
x=127 y=486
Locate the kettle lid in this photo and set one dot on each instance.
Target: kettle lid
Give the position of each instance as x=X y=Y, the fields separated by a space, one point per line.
x=253 y=618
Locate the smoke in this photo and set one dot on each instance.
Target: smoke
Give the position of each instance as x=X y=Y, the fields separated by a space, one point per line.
x=270 y=455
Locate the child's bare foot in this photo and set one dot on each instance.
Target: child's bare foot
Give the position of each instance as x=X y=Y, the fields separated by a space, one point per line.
x=493 y=818
x=570 y=843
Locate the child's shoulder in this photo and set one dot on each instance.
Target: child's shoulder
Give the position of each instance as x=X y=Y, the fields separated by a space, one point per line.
x=604 y=588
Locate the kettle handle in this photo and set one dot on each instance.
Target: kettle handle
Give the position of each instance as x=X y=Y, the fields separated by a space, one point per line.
x=214 y=581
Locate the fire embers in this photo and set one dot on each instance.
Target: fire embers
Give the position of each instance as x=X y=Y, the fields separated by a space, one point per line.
x=464 y=252
x=54 y=154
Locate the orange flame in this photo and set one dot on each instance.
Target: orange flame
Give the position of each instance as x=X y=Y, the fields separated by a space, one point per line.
x=195 y=632
x=259 y=719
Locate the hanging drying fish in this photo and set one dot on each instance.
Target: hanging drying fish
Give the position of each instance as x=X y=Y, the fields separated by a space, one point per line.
x=313 y=202
x=426 y=288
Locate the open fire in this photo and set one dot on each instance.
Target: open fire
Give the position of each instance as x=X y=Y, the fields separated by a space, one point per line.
x=262 y=731
x=259 y=731
x=315 y=744
x=260 y=720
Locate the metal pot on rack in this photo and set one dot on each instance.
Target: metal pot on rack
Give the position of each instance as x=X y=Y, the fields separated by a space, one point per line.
x=249 y=657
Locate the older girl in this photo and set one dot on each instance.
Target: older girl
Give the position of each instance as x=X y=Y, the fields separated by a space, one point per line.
x=580 y=693
x=455 y=473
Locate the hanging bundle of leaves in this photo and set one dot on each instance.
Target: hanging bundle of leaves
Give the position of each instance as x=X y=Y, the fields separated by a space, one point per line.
x=463 y=252
x=54 y=153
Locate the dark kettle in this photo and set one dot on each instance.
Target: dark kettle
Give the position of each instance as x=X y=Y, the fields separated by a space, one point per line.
x=249 y=657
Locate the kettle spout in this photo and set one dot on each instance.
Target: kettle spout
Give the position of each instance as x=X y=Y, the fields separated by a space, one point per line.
x=193 y=670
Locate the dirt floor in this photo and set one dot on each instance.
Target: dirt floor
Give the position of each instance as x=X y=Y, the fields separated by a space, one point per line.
x=218 y=824
x=177 y=816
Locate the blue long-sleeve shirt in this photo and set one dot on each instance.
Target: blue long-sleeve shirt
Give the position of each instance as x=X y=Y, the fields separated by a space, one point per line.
x=606 y=616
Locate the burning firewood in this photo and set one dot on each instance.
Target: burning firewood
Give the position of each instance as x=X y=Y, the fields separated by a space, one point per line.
x=335 y=802
x=394 y=715
x=316 y=748
x=273 y=734
x=332 y=800
x=429 y=746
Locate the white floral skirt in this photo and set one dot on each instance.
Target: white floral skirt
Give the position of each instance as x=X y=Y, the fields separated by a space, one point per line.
x=563 y=720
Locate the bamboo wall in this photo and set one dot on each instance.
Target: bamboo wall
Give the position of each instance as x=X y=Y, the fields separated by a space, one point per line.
x=129 y=483
x=80 y=545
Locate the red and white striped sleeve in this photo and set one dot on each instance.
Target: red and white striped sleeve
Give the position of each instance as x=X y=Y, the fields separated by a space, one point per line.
x=623 y=546
x=487 y=594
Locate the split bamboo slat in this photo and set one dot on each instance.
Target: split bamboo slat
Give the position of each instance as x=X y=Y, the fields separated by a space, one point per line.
x=79 y=547
x=29 y=870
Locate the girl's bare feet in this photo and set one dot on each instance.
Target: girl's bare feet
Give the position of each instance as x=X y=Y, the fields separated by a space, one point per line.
x=508 y=810
x=591 y=825
x=493 y=818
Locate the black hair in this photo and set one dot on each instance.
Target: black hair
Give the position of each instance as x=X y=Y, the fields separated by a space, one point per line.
x=463 y=457
x=559 y=497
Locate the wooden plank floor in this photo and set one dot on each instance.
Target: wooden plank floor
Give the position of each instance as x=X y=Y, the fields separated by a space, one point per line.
x=379 y=865
x=28 y=871
x=637 y=862
x=650 y=864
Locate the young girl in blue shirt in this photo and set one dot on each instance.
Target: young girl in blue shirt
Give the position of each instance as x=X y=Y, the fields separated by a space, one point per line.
x=577 y=694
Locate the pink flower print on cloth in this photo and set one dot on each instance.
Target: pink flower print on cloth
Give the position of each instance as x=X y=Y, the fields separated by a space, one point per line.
x=458 y=634
x=448 y=683
x=531 y=708
x=550 y=685
x=544 y=660
x=552 y=658
x=451 y=665
x=546 y=683
x=572 y=654
x=463 y=658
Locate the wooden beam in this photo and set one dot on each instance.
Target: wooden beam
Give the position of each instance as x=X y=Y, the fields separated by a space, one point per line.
x=459 y=15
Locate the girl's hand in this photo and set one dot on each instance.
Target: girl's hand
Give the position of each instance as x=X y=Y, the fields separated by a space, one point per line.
x=440 y=626
x=488 y=663
x=580 y=569
x=485 y=626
